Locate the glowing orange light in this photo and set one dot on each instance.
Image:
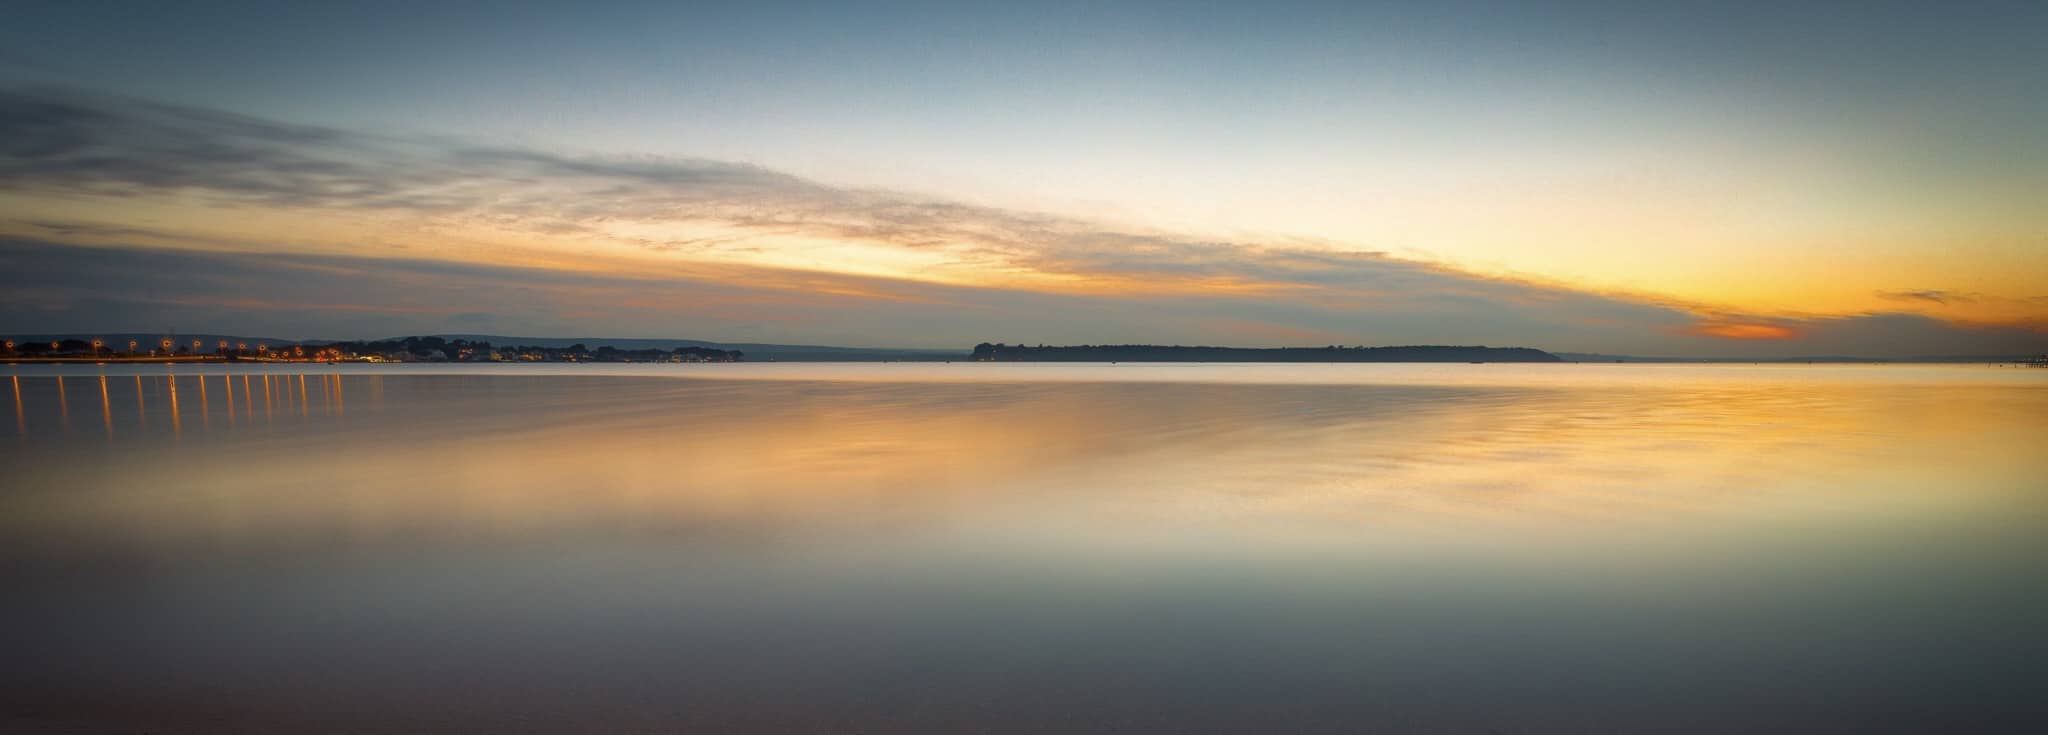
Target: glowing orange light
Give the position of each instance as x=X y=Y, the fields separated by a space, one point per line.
x=1743 y=330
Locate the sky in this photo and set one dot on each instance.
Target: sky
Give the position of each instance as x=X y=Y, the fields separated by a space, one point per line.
x=1716 y=180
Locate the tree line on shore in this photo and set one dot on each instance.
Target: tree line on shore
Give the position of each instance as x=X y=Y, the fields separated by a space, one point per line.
x=999 y=352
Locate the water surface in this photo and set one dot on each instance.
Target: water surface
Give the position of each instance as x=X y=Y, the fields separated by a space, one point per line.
x=1024 y=548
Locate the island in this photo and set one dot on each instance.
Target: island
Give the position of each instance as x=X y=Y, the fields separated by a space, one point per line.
x=999 y=352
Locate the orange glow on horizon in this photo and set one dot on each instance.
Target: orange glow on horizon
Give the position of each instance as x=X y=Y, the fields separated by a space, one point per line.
x=764 y=275
x=1743 y=330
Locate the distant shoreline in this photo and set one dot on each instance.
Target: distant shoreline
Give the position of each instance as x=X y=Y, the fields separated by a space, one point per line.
x=69 y=349
x=986 y=352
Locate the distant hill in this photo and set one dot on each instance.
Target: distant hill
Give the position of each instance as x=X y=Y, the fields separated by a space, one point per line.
x=1178 y=353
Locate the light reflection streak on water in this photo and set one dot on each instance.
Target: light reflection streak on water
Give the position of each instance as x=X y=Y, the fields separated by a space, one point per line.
x=177 y=418
x=106 y=409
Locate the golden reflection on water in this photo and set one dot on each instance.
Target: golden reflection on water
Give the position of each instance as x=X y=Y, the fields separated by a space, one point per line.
x=106 y=408
x=1275 y=464
x=1527 y=548
x=177 y=417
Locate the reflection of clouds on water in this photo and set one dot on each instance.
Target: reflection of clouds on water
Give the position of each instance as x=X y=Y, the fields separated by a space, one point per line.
x=516 y=454
x=1511 y=550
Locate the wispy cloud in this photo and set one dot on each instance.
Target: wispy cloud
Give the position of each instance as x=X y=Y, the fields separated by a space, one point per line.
x=63 y=141
x=710 y=232
x=1930 y=295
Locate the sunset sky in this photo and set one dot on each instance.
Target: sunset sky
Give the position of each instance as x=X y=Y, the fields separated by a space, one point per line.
x=1728 y=179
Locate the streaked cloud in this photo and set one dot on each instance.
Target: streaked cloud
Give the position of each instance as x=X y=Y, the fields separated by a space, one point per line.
x=426 y=231
x=54 y=287
x=1743 y=330
x=1931 y=295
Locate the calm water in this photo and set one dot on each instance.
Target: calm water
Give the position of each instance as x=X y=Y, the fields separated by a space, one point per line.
x=1026 y=548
